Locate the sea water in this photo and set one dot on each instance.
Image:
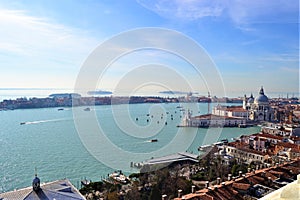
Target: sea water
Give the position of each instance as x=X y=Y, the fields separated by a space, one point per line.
x=51 y=140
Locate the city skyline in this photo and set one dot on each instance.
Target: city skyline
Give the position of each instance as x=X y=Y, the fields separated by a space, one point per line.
x=252 y=43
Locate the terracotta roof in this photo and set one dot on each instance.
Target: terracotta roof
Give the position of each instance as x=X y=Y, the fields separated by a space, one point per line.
x=294 y=147
x=276 y=172
x=201 y=196
x=236 y=109
x=272 y=176
x=255 y=179
x=268 y=136
x=245 y=147
x=231 y=188
x=295 y=170
x=232 y=108
x=241 y=186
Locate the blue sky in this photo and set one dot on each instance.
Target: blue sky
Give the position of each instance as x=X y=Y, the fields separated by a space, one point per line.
x=43 y=44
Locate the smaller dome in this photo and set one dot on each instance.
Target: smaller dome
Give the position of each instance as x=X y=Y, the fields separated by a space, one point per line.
x=251 y=99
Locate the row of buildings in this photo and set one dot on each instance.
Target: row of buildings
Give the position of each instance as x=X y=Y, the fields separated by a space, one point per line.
x=281 y=181
x=275 y=153
x=253 y=111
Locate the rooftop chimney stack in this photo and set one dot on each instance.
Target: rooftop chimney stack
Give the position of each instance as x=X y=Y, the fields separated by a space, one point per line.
x=269 y=180
x=206 y=184
x=179 y=193
x=249 y=169
x=193 y=189
x=229 y=177
x=240 y=173
x=218 y=181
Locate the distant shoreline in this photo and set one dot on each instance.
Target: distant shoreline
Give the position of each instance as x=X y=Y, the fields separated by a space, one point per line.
x=73 y=99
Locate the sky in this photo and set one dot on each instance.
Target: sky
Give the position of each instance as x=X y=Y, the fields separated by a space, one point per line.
x=44 y=44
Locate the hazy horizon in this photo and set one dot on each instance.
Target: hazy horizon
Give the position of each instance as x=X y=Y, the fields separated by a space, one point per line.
x=251 y=43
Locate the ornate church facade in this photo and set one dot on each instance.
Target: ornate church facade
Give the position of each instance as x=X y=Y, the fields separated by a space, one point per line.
x=258 y=108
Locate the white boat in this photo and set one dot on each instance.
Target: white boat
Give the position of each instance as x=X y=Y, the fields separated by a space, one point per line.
x=119 y=177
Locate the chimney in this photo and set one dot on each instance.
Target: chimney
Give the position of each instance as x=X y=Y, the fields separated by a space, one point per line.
x=218 y=181
x=269 y=180
x=229 y=177
x=240 y=173
x=206 y=184
x=193 y=189
x=164 y=197
x=179 y=193
x=249 y=169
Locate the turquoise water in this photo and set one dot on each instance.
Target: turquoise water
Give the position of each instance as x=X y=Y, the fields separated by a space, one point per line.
x=50 y=141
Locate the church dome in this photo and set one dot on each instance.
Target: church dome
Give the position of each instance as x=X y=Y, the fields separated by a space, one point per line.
x=261 y=98
x=251 y=99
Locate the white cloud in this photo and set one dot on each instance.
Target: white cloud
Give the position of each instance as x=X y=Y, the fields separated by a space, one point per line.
x=188 y=9
x=239 y=11
x=37 y=52
x=23 y=35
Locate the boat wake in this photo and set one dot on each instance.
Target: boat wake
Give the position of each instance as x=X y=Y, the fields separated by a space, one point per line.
x=44 y=121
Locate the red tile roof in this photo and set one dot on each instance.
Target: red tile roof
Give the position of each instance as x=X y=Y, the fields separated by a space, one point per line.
x=241 y=186
x=245 y=147
x=268 y=136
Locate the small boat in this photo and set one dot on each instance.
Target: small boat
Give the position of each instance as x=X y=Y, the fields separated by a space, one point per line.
x=179 y=107
x=22 y=123
x=87 y=109
x=60 y=109
x=118 y=176
x=154 y=140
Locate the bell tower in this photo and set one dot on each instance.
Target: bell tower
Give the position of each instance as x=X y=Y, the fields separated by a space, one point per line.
x=36 y=183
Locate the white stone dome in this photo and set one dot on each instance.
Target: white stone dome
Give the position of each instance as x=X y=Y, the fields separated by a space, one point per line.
x=261 y=98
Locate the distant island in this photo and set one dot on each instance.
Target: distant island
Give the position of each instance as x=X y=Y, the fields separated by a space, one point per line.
x=177 y=92
x=74 y=99
x=99 y=92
